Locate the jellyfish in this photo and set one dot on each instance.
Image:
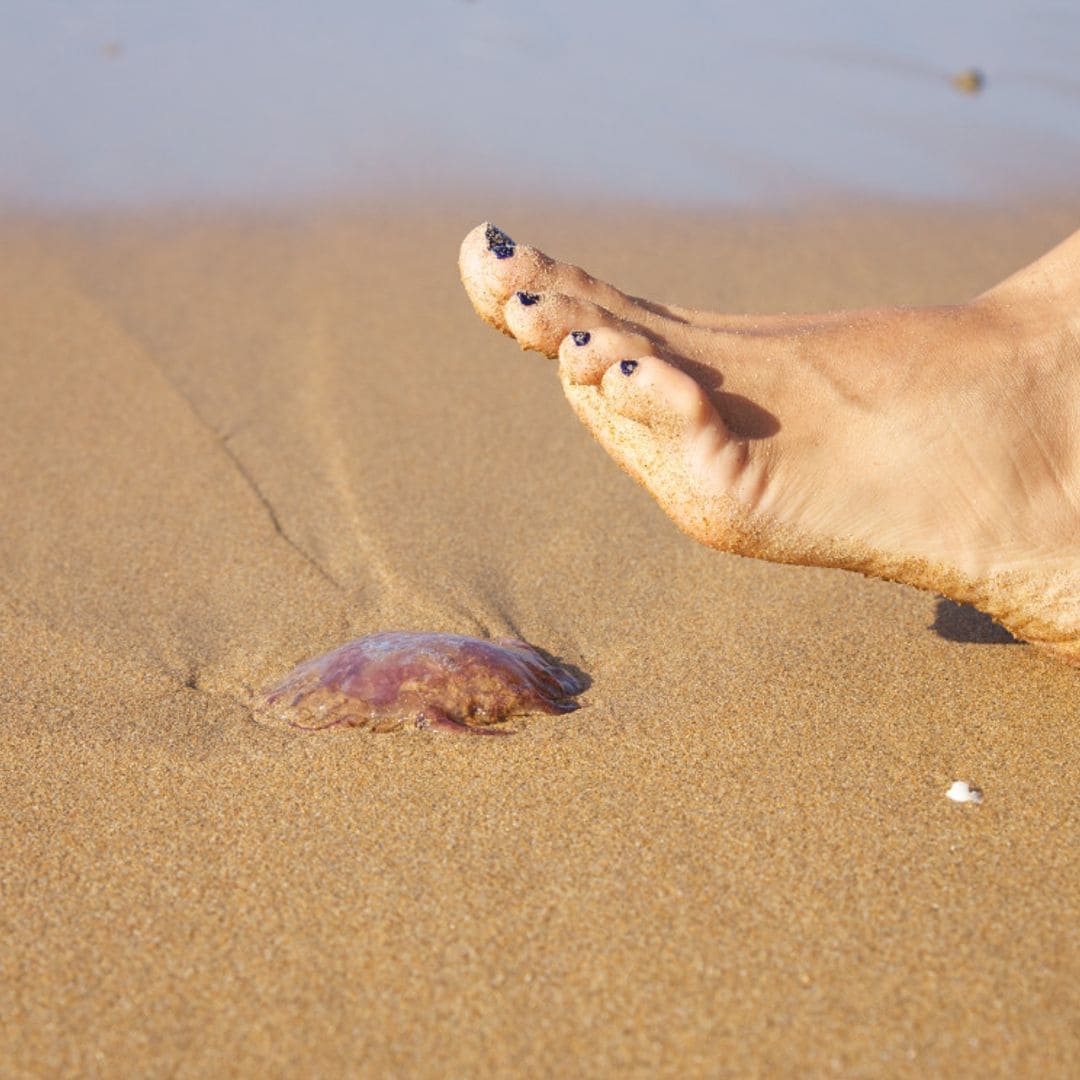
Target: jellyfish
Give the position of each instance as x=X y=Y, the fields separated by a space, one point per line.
x=448 y=682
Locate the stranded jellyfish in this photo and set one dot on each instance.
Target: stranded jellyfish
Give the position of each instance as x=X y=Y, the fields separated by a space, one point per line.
x=388 y=681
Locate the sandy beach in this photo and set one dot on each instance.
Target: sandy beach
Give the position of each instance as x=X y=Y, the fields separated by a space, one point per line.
x=233 y=440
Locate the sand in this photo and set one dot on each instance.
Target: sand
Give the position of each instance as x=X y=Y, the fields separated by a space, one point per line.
x=231 y=441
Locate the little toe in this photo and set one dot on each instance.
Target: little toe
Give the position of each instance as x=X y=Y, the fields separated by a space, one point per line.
x=661 y=427
x=652 y=392
x=585 y=355
x=541 y=321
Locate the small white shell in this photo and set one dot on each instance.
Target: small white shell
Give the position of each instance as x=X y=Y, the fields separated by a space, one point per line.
x=962 y=792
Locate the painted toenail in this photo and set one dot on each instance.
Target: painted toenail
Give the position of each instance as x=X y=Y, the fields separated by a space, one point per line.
x=528 y=298
x=581 y=337
x=499 y=244
x=627 y=367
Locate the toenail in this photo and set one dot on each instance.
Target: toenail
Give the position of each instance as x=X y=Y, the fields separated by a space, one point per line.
x=528 y=298
x=581 y=337
x=627 y=367
x=499 y=244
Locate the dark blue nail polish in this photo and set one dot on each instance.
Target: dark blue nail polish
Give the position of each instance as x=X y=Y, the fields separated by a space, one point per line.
x=499 y=244
x=627 y=367
x=581 y=337
x=528 y=298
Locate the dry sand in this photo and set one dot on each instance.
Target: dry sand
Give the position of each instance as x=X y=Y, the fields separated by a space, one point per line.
x=230 y=442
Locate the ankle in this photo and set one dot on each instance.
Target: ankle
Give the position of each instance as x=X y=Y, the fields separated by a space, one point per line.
x=1039 y=330
x=1053 y=279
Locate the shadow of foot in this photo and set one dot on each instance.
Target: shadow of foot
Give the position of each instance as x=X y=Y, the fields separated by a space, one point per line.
x=958 y=622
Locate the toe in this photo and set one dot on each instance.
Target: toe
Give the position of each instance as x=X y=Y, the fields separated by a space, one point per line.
x=652 y=392
x=659 y=424
x=541 y=321
x=493 y=268
x=585 y=355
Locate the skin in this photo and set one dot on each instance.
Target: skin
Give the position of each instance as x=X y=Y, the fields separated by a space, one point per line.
x=938 y=447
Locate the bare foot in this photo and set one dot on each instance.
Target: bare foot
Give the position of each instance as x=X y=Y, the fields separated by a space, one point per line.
x=939 y=447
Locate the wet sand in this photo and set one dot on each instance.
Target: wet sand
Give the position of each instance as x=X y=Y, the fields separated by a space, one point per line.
x=230 y=442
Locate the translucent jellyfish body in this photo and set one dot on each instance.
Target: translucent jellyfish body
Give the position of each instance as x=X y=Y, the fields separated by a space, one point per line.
x=388 y=681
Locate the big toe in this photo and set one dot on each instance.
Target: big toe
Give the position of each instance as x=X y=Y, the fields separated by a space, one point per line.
x=493 y=268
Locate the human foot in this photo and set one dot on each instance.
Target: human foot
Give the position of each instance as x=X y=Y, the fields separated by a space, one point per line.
x=939 y=447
